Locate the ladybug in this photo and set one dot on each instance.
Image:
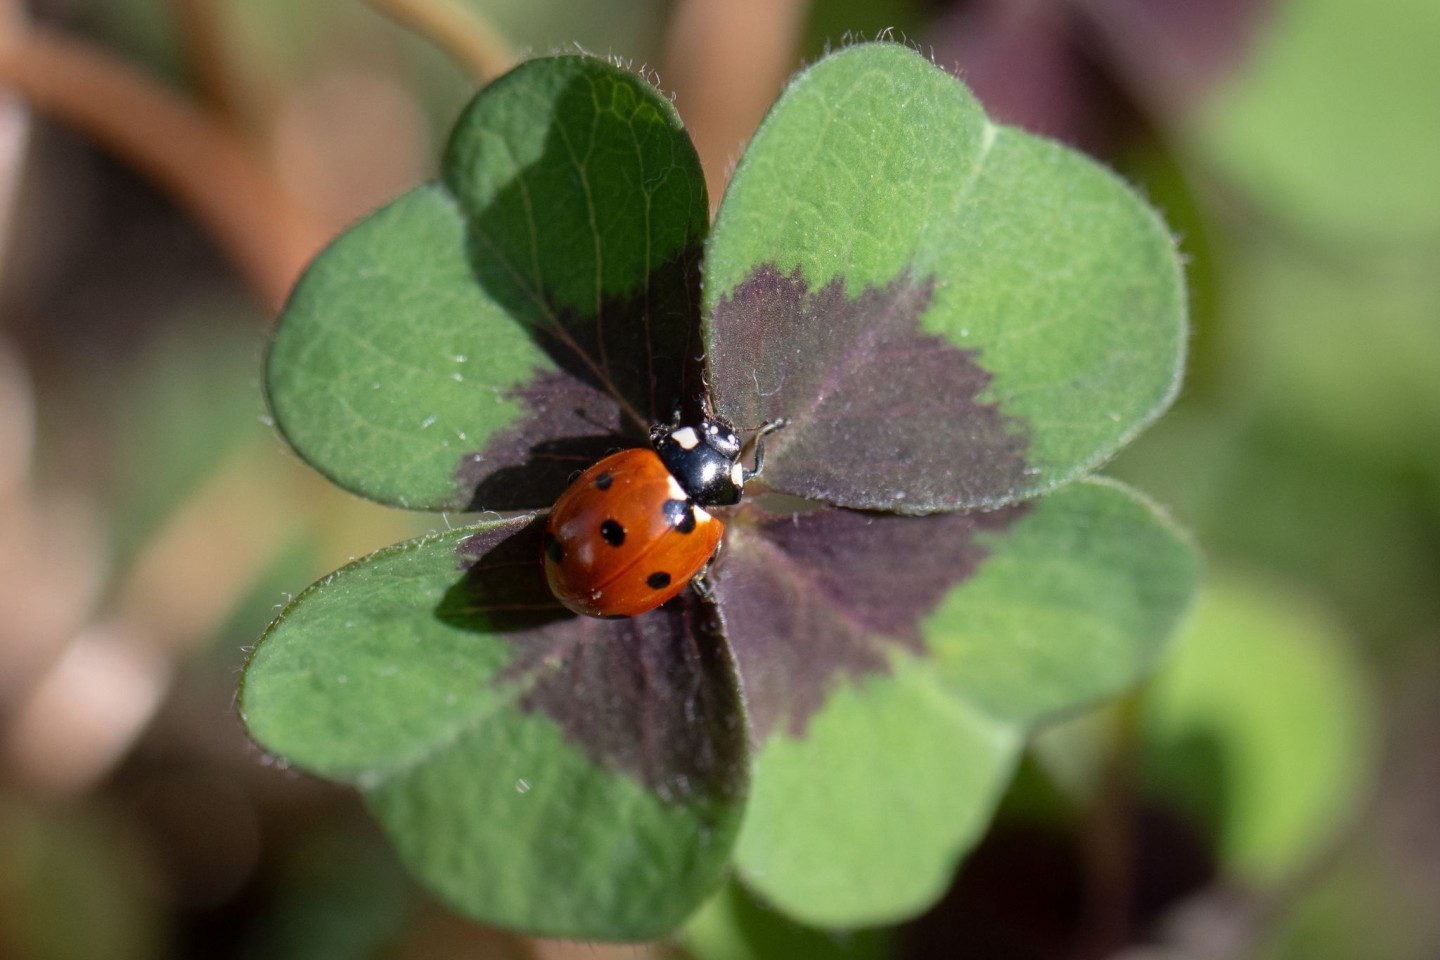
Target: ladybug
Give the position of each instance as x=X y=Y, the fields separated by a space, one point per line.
x=632 y=531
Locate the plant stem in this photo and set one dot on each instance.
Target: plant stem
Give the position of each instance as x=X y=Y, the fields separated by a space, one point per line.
x=207 y=58
x=200 y=161
x=462 y=34
x=725 y=61
x=1109 y=841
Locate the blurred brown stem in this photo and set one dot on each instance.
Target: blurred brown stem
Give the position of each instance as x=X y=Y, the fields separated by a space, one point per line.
x=726 y=61
x=465 y=37
x=200 y=161
x=206 y=56
x=542 y=949
x=1109 y=842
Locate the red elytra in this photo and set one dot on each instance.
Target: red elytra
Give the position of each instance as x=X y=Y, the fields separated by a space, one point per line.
x=625 y=537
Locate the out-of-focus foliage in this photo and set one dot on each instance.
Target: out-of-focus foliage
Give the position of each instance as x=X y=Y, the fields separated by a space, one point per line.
x=1360 y=907
x=1330 y=125
x=340 y=895
x=76 y=884
x=1260 y=729
x=735 y=926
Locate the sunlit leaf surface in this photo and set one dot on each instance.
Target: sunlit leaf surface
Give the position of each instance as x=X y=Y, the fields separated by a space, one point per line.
x=549 y=772
x=896 y=669
x=904 y=223
x=536 y=308
x=947 y=314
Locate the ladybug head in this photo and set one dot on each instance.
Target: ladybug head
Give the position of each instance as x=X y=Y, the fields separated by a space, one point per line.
x=705 y=460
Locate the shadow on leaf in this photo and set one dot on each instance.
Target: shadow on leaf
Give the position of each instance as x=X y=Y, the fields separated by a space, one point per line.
x=568 y=426
x=594 y=247
x=503 y=588
x=653 y=697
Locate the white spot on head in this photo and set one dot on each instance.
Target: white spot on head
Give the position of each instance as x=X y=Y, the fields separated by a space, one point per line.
x=686 y=437
x=737 y=474
x=711 y=429
x=677 y=492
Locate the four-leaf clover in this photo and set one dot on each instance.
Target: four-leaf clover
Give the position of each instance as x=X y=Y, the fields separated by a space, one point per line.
x=954 y=317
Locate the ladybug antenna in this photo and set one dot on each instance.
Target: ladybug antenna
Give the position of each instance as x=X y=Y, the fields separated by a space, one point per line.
x=768 y=427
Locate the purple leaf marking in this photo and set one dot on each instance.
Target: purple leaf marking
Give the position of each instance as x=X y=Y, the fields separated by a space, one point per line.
x=651 y=697
x=1088 y=72
x=813 y=599
x=648 y=368
x=882 y=416
x=567 y=426
x=639 y=346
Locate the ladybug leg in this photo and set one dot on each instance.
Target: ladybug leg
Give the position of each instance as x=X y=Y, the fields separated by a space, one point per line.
x=703 y=587
x=769 y=426
x=701 y=581
x=659 y=431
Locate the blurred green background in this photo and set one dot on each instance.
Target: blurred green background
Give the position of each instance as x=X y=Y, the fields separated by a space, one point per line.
x=1273 y=793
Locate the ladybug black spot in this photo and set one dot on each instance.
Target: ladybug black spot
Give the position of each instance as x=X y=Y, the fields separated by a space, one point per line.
x=554 y=549
x=603 y=481
x=658 y=580
x=680 y=514
x=613 y=533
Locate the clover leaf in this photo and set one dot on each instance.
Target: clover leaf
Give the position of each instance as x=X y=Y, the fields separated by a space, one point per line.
x=953 y=316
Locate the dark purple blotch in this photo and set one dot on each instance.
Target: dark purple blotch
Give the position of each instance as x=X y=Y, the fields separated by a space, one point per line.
x=566 y=427
x=1090 y=72
x=819 y=598
x=652 y=697
x=641 y=346
x=633 y=364
x=880 y=415
x=1176 y=50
